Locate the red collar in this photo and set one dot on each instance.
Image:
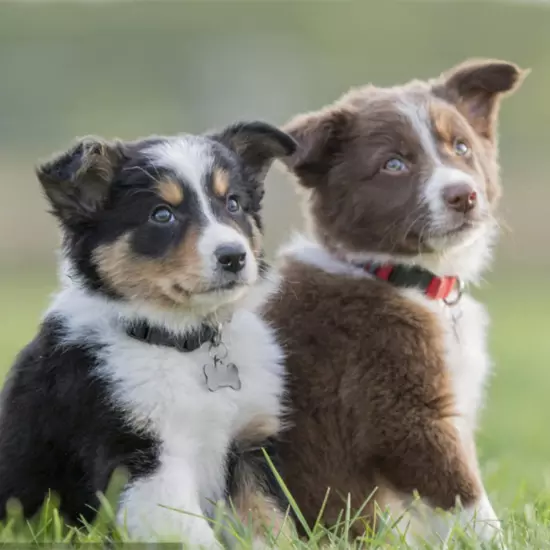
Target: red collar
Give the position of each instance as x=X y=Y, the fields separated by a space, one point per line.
x=434 y=287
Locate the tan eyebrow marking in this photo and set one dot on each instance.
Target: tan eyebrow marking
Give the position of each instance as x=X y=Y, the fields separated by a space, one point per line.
x=443 y=122
x=220 y=182
x=171 y=192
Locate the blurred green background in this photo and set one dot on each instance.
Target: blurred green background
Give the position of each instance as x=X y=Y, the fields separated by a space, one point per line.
x=130 y=69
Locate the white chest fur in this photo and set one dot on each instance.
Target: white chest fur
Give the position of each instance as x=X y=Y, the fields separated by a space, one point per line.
x=165 y=391
x=464 y=328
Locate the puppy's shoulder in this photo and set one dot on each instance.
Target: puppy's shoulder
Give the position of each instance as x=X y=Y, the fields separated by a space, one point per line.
x=309 y=294
x=48 y=358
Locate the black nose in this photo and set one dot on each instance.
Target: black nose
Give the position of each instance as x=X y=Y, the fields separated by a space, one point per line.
x=231 y=257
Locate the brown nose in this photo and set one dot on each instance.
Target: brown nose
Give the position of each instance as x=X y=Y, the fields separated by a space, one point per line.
x=460 y=197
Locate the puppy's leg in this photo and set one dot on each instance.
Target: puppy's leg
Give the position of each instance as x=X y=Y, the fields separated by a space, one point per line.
x=254 y=492
x=166 y=507
x=262 y=513
x=482 y=518
x=433 y=459
x=479 y=516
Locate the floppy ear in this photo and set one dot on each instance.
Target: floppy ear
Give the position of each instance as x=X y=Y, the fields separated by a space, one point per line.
x=476 y=87
x=77 y=182
x=320 y=136
x=258 y=144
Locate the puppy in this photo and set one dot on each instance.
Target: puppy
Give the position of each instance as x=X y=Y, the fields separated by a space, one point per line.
x=148 y=358
x=386 y=354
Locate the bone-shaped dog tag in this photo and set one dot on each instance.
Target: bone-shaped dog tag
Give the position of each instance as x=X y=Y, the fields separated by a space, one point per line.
x=219 y=375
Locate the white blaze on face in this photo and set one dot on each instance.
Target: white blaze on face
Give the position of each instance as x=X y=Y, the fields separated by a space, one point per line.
x=217 y=234
x=441 y=175
x=191 y=158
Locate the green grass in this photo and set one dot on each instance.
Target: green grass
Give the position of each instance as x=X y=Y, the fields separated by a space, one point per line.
x=514 y=438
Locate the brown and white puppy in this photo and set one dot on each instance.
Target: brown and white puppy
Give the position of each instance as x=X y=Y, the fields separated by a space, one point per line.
x=386 y=380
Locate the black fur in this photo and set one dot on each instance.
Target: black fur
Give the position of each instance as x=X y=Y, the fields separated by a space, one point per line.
x=100 y=190
x=59 y=429
x=253 y=459
x=60 y=433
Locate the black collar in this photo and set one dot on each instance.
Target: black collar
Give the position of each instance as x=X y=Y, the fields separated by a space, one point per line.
x=158 y=336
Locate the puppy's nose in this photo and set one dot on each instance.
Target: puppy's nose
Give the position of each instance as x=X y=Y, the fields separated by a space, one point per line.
x=460 y=197
x=231 y=257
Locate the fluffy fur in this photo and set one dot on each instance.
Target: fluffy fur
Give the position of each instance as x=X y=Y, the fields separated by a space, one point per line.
x=164 y=231
x=385 y=383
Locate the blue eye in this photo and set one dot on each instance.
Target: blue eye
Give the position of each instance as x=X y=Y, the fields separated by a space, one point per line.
x=395 y=164
x=232 y=204
x=461 y=148
x=162 y=215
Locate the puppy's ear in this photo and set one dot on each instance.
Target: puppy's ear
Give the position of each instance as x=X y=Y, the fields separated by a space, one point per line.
x=476 y=87
x=320 y=136
x=258 y=144
x=77 y=181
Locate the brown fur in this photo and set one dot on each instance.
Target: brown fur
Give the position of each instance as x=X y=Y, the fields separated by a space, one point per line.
x=351 y=206
x=476 y=87
x=372 y=399
x=381 y=409
x=168 y=282
x=343 y=148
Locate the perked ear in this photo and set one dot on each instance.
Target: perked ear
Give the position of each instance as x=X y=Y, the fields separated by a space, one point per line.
x=258 y=144
x=476 y=87
x=77 y=182
x=320 y=135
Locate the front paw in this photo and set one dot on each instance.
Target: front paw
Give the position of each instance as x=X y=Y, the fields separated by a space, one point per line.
x=487 y=526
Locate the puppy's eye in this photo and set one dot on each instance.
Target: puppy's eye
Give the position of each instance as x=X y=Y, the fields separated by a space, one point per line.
x=461 y=148
x=395 y=165
x=232 y=204
x=162 y=214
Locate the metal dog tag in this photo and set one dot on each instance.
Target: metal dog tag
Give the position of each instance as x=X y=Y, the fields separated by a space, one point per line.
x=219 y=375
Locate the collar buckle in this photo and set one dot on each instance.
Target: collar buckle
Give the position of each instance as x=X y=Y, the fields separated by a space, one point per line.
x=459 y=286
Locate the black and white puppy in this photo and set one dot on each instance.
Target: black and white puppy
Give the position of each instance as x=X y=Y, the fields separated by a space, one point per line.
x=150 y=357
